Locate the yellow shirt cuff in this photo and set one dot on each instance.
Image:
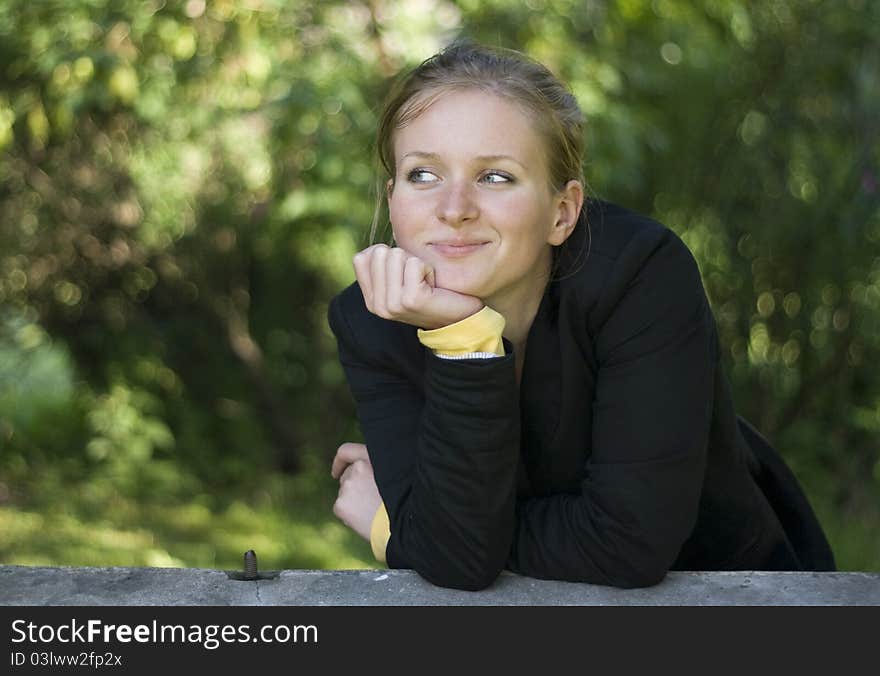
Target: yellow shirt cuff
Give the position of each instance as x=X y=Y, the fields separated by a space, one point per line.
x=380 y=533
x=481 y=332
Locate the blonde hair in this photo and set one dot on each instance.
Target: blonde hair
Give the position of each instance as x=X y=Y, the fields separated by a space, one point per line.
x=505 y=73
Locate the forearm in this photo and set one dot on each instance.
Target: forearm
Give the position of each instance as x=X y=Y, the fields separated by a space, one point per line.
x=623 y=532
x=444 y=450
x=456 y=523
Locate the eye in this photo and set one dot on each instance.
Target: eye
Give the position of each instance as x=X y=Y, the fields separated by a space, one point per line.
x=421 y=176
x=496 y=177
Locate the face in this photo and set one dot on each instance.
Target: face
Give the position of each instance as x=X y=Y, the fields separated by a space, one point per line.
x=471 y=197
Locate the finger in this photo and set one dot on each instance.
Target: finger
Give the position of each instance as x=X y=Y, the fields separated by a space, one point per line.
x=340 y=462
x=346 y=475
x=394 y=268
x=378 y=261
x=359 y=468
x=346 y=454
x=415 y=278
x=339 y=465
x=361 y=263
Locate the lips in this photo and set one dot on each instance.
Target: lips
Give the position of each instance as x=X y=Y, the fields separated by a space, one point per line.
x=455 y=248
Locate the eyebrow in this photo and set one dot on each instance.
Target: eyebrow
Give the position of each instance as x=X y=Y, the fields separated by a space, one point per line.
x=481 y=158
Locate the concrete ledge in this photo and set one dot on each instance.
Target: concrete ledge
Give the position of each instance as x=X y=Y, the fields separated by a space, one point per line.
x=39 y=586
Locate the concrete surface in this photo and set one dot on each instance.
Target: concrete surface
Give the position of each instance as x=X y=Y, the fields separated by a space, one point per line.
x=37 y=586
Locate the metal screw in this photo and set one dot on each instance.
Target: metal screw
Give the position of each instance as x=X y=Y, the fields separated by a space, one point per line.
x=250 y=565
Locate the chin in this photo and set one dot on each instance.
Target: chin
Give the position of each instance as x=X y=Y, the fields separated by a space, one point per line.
x=452 y=281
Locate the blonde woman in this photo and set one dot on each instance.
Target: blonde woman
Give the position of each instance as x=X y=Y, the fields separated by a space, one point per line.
x=537 y=374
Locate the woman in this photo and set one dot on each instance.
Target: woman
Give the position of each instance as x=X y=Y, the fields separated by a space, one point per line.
x=537 y=377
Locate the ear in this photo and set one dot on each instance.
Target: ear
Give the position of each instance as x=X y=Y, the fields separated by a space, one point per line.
x=568 y=208
x=389 y=188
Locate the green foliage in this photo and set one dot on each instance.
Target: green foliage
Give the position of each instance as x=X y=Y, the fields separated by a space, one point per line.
x=95 y=522
x=183 y=184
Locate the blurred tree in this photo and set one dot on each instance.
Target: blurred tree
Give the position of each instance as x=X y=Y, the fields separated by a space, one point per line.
x=178 y=188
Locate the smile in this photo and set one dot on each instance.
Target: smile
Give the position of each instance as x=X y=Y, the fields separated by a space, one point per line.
x=456 y=251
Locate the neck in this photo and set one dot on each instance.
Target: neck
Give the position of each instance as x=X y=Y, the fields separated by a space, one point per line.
x=519 y=310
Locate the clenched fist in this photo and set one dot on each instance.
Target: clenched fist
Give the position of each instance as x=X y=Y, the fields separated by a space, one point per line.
x=358 y=497
x=397 y=285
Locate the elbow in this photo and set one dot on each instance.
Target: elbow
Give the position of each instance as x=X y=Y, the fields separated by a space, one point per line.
x=459 y=568
x=452 y=554
x=471 y=568
x=639 y=579
x=473 y=580
x=462 y=568
x=638 y=570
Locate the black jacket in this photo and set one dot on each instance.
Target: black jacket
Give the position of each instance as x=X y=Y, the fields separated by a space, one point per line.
x=618 y=458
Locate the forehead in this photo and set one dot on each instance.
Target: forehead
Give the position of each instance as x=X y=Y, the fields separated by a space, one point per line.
x=468 y=123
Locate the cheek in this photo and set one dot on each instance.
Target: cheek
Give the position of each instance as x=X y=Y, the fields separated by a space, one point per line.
x=525 y=208
x=526 y=224
x=398 y=210
x=407 y=217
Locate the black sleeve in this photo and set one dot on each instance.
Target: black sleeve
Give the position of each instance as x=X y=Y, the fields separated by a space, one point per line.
x=444 y=460
x=638 y=503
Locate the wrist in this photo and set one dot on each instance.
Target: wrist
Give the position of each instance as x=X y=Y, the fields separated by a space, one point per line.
x=479 y=332
x=450 y=321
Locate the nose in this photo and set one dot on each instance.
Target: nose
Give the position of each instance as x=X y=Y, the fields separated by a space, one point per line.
x=457 y=204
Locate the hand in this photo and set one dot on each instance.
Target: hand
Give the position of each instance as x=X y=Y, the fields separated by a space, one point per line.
x=358 y=497
x=399 y=286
